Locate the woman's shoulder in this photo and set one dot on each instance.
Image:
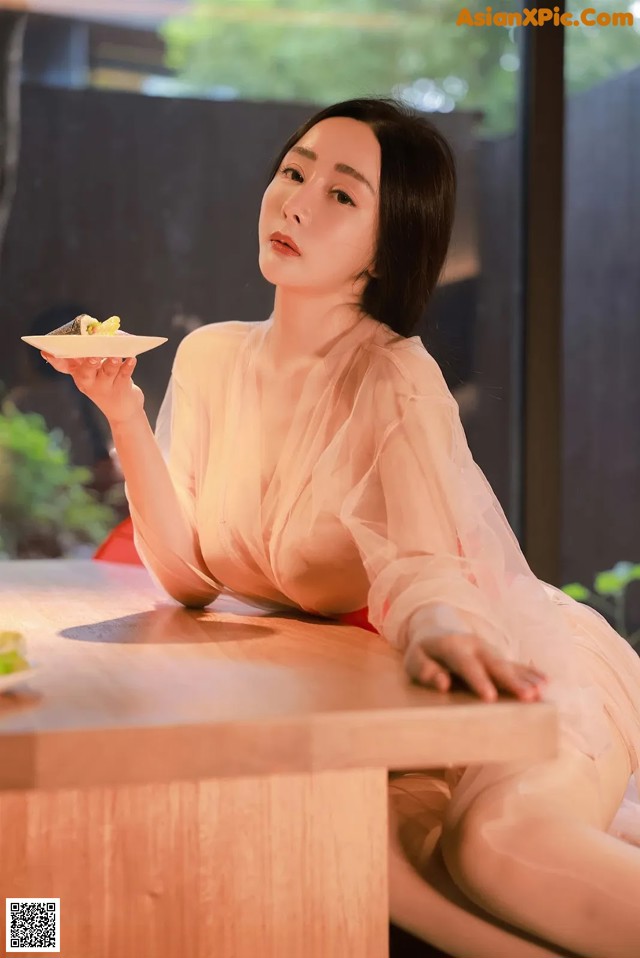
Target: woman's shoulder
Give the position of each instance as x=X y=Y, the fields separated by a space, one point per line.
x=216 y=334
x=407 y=386
x=407 y=365
x=213 y=342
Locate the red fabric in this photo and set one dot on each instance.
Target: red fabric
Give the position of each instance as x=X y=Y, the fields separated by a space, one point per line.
x=118 y=546
x=360 y=618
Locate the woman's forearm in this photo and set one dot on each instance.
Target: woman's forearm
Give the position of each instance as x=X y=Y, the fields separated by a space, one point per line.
x=167 y=537
x=149 y=485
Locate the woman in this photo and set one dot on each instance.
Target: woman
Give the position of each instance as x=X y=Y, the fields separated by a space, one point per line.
x=317 y=461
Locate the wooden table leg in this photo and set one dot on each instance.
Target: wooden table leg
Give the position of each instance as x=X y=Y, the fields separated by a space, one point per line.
x=288 y=866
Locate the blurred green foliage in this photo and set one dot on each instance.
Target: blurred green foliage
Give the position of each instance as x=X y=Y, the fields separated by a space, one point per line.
x=45 y=507
x=609 y=596
x=323 y=51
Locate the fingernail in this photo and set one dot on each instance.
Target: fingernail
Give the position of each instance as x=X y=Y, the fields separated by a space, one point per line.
x=115 y=362
x=94 y=362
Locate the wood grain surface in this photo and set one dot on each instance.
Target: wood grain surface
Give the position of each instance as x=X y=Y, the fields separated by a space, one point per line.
x=193 y=784
x=289 y=866
x=133 y=689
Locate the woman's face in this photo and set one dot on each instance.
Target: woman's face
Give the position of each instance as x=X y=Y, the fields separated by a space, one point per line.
x=324 y=199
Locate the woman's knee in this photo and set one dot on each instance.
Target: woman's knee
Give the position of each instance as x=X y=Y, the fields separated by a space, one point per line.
x=489 y=847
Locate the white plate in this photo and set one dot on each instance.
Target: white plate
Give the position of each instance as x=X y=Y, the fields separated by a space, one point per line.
x=16 y=678
x=85 y=347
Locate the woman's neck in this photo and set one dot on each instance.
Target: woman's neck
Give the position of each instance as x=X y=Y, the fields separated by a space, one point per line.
x=305 y=326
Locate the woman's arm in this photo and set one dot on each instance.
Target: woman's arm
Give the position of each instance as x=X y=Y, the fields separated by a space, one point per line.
x=160 y=495
x=165 y=536
x=447 y=580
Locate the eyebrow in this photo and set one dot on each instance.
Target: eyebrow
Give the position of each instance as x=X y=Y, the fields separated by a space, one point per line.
x=339 y=167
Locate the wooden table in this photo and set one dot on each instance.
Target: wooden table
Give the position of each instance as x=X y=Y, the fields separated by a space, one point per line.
x=204 y=784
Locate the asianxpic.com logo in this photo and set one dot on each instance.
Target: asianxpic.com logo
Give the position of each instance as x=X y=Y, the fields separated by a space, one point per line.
x=539 y=16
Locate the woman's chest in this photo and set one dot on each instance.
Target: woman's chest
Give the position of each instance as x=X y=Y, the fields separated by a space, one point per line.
x=277 y=429
x=296 y=415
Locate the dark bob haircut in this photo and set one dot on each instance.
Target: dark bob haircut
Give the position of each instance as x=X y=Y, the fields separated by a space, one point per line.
x=417 y=205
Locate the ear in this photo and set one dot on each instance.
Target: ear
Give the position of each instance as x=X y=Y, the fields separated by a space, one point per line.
x=370 y=273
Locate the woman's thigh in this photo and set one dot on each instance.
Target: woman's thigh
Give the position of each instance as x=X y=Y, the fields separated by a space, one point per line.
x=423 y=898
x=571 y=787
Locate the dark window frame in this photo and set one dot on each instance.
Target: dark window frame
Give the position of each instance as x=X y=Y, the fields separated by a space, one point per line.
x=536 y=419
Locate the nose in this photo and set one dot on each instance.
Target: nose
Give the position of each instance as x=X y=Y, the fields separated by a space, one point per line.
x=296 y=207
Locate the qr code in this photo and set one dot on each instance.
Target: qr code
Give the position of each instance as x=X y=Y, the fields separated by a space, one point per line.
x=33 y=924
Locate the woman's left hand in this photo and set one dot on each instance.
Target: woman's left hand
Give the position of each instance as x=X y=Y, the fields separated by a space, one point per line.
x=435 y=662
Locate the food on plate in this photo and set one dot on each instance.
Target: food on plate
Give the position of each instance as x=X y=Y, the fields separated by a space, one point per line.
x=12 y=653
x=89 y=326
x=87 y=338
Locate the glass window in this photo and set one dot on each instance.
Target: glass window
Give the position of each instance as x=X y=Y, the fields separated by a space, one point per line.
x=156 y=163
x=601 y=294
x=465 y=76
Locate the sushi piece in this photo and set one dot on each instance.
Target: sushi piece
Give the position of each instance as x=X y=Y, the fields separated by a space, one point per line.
x=88 y=326
x=80 y=326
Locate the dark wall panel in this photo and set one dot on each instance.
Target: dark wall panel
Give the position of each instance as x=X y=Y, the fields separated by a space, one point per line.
x=497 y=308
x=602 y=329
x=148 y=207
x=601 y=468
x=139 y=206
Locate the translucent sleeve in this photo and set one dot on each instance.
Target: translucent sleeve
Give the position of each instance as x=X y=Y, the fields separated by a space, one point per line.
x=167 y=541
x=440 y=557
x=439 y=553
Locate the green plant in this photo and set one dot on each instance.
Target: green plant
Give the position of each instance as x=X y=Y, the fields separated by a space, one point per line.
x=279 y=50
x=609 y=596
x=45 y=507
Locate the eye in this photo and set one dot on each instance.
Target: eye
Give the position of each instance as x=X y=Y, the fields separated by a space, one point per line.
x=343 y=198
x=291 y=169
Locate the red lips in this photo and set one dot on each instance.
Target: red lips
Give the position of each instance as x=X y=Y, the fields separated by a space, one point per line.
x=283 y=238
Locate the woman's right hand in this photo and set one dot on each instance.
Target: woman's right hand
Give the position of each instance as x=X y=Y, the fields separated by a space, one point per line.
x=106 y=382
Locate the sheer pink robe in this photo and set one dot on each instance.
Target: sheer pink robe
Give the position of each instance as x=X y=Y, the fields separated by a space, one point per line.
x=375 y=502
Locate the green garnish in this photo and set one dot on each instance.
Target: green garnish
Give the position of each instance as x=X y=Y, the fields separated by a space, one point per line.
x=12 y=649
x=110 y=326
